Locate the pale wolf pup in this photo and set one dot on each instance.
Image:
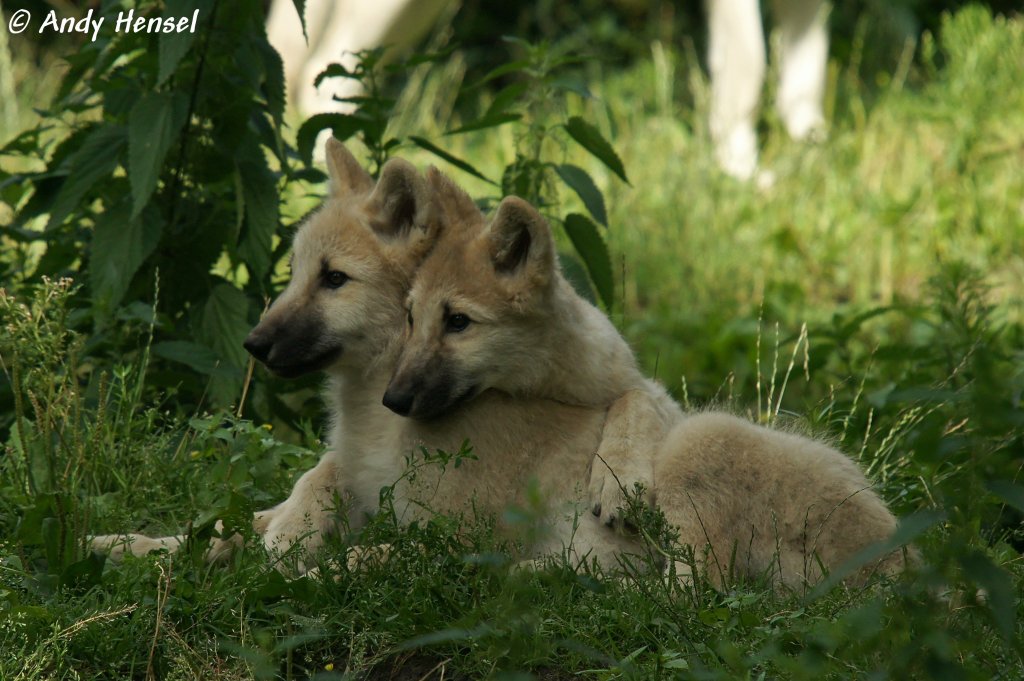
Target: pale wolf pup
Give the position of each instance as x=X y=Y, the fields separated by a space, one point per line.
x=493 y=312
x=343 y=312
x=351 y=264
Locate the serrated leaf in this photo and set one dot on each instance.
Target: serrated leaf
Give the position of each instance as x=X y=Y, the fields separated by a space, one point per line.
x=580 y=182
x=174 y=46
x=337 y=71
x=457 y=162
x=576 y=274
x=95 y=159
x=591 y=139
x=273 y=81
x=153 y=126
x=259 y=191
x=120 y=244
x=587 y=241
x=222 y=325
x=525 y=178
x=300 y=7
x=342 y=126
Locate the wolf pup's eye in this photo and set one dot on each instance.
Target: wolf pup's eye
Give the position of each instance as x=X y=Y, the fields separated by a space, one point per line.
x=457 y=323
x=408 y=316
x=335 y=279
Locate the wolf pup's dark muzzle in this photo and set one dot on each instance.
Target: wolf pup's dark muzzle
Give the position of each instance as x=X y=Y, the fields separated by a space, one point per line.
x=290 y=354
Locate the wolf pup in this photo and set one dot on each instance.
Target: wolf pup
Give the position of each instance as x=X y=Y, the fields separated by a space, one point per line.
x=343 y=313
x=490 y=309
x=494 y=312
x=352 y=262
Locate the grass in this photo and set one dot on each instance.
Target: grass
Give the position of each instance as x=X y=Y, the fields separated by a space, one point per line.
x=896 y=242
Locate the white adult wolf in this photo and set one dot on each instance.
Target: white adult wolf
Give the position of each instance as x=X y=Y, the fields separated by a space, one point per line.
x=737 y=61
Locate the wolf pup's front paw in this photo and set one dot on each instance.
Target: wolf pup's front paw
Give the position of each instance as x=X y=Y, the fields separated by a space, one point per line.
x=613 y=492
x=296 y=531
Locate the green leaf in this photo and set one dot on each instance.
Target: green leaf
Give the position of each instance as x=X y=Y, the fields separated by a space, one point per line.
x=273 y=81
x=259 y=191
x=174 y=46
x=1001 y=597
x=457 y=162
x=85 y=573
x=574 y=85
x=576 y=274
x=505 y=98
x=26 y=142
x=581 y=183
x=193 y=355
x=338 y=71
x=592 y=249
x=222 y=325
x=153 y=125
x=120 y=244
x=1008 y=492
x=343 y=126
x=508 y=67
x=591 y=140
x=95 y=159
x=490 y=121
x=300 y=7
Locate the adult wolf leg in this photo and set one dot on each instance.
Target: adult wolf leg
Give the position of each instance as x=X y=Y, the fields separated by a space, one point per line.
x=737 y=61
x=804 y=43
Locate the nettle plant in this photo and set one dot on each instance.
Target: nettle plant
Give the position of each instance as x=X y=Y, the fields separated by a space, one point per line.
x=161 y=164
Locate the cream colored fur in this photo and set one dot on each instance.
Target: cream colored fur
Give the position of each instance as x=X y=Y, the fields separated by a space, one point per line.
x=762 y=502
x=531 y=336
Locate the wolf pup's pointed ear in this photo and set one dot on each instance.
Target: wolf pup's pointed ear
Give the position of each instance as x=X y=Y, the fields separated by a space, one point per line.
x=453 y=200
x=519 y=238
x=402 y=199
x=347 y=177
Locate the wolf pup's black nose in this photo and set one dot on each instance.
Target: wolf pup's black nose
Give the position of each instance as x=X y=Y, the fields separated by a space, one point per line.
x=398 y=402
x=258 y=345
